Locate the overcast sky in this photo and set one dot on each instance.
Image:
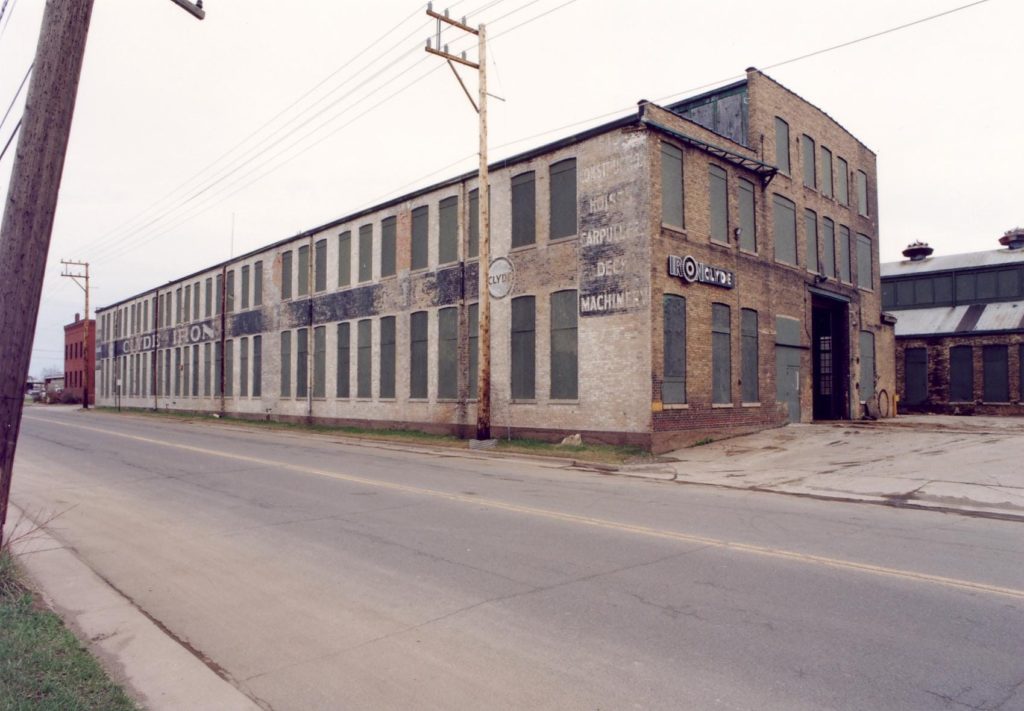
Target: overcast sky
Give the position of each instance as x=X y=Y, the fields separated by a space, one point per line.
x=155 y=180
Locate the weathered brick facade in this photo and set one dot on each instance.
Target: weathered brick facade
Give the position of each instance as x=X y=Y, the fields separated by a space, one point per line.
x=615 y=262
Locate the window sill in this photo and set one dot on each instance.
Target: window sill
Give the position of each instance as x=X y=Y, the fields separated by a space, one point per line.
x=522 y=248
x=524 y=401
x=419 y=399
x=564 y=240
x=673 y=229
x=721 y=405
x=750 y=404
x=364 y=399
x=447 y=400
x=387 y=399
x=553 y=401
x=748 y=252
x=675 y=406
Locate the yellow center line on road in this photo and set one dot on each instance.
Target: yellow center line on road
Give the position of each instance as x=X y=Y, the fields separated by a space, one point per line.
x=763 y=551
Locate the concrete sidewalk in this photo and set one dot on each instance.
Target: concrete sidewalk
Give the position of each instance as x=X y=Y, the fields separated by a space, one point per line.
x=963 y=464
x=155 y=669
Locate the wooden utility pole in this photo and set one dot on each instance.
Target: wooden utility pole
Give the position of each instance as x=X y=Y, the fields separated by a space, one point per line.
x=84 y=286
x=483 y=402
x=31 y=203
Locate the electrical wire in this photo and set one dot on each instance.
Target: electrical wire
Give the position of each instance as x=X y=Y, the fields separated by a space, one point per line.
x=9 y=16
x=16 y=95
x=8 y=144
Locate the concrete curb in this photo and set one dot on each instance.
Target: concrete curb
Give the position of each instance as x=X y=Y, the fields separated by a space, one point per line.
x=159 y=671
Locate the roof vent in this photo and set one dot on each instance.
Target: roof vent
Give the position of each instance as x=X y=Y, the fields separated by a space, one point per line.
x=917 y=251
x=1014 y=239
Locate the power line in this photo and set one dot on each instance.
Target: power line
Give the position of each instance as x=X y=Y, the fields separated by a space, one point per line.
x=9 y=16
x=16 y=94
x=8 y=144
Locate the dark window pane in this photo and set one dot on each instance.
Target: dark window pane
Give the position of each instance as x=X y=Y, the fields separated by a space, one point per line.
x=966 y=287
x=366 y=253
x=961 y=374
x=420 y=237
x=243 y=367
x=302 y=362
x=905 y=292
x=1009 y=283
x=473 y=249
x=388 y=245
x=811 y=238
x=320 y=266
x=842 y=182
x=924 y=291
x=344 y=259
x=387 y=357
x=523 y=348
x=257 y=284
x=207 y=372
x=303 y=276
x=782 y=145
x=915 y=375
x=448 y=353
x=943 y=290
x=862 y=193
x=748 y=223
x=418 y=355
x=473 y=324
x=245 y=288
x=320 y=361
x=996 y=374
x=718 y=190
x=671 y=185
x=523 y=210
x=673 y=388
x=344 y=358
x=828 y=244
x=363 y=355
x=564 y=346
x=721 y=354
x=448 y=230
x=784 y=222
x=563 y=199
x=844 y=254
x=229 y=368
x=826 y=172
x=286 y=276
x=749 y=366
x=810 y=173
x=865 y=272
x=257 y=366
x=867 y=365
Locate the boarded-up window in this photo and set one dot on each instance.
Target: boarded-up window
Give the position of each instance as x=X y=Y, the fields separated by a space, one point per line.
x=387 y=357
x=303 y=279
x=388 y=245
x=177 y=373
x=320 y=266
x=208 y=306
x=826 y=172
x=345 y=258
x=229 y=291
x=257 y=366
x=810 y=165
x=867 y=365
x=473 y=248
x=302 y=362
x=243 y=367
x=915 y=375
x=448 y=230
x=844 y=254
x=673 y=387
x=195 y=304
x=782 y=145
x=473 y=325
x=185 y=314
x=996 y=374
x=718 y=191
x=564 y=346
x=784 y=223
x=523 y=348
x=811 y=237
x=167 y=370
x=448 y=353
x=286 y=276
x=828 y=244
x=563 y=199
x=961 y=374
x=319 y=361
x=344 y=358
x=418 y=354
x=862 y=193
x=363 y=356
x=229 y=368
x=366 y=253
x=420 y=237
x=721 y=354
x=207 y=377
x=245 y=288
x=671 y=185
x=842 y=181
x=748 y=223
x=749 y=364
x=865 y=273
x=195 y=372
x=257 y=284
x=524 y=210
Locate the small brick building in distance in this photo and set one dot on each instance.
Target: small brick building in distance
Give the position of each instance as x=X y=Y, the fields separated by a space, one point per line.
x=687 y=270
x=80 y=359
x=959 y=328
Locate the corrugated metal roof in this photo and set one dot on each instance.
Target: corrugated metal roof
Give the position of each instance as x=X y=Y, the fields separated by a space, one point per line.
x=989 y=258
x=967 y=319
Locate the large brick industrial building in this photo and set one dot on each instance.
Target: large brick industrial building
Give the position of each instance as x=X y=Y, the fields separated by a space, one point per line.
x=79 y=358
x=959 y=329
x=706 y=266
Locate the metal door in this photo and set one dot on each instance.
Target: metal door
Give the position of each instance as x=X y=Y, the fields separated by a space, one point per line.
x=787 y=380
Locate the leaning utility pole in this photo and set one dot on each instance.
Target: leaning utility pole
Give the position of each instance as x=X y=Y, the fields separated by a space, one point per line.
x=85 y=335
x=483 y=402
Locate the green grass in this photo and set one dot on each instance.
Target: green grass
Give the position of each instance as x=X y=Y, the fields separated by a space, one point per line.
x=42 y=666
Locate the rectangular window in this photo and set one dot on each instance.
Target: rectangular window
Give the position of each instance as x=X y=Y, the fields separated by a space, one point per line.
x=915 y=375
x=388 y=245
x=342 y=380
x=748 y=223
x=208 y=305
x=867 y=365
x=563 y=199
x=420 y=237
x=177 y=372
x=387 y=357
x=564 y=346
x=865 y=273
x=195 y=303
x=1008 y=283
x=188 y=303
x=673 y=386
x=961 y=374
x=286 y=275
x=843 y=181
x=243 y=366
x=721 y=354
x=810 y=165
x=363 y=353
x=245 y=287
x=195 y=371
x=448 y=353
x=320 y=266
x=230 y=291
x=943 y=290
x=286 y=364
x=811 y=235
x=966 y=287
x=473 y=248
x=302 y=362
x=671 y=185
x=218 y=376
x=862 y=193
x=320 y=361
x=257 y=284
x=784 y=222
x=366 y=252
x=826 y=172
x=473 y=324
x=524 y=210
x=749 y=365
x=718 y=190
x=828 y=243
x=448 y=230
x=229 y=368
x=206 y=370
x=524 y=352
x=303 y=277
x=418 y=355
x=344 y=259
x=782 y=145
x=257 y=366
x=177 y=305
x=995 y=374
x=167 y=372
x=844 y=254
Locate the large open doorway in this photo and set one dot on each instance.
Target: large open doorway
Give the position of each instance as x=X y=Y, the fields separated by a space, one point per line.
x=830 y=356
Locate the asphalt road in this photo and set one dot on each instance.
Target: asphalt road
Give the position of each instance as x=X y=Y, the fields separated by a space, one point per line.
x=319 y=574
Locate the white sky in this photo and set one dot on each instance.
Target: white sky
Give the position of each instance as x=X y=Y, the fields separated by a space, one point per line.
x=164 y=95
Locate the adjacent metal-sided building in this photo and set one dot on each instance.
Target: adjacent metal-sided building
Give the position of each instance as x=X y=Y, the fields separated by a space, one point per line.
x=707 y=266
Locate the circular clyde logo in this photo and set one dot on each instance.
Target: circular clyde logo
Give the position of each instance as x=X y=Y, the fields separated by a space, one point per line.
x=500 y=276
x=690 y=269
